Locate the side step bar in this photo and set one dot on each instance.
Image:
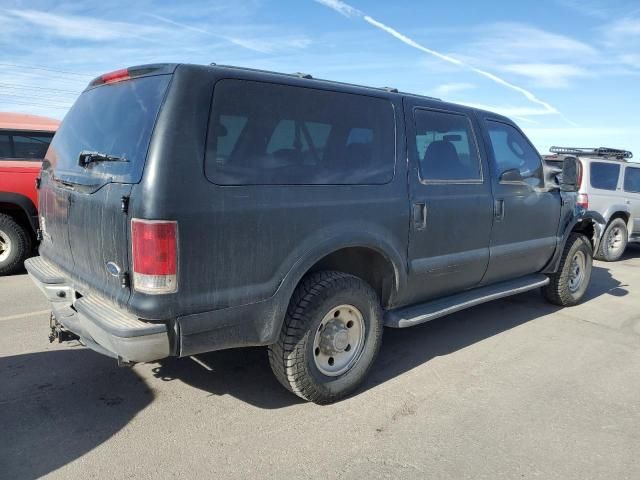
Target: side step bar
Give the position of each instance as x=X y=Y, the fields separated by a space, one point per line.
x=416 y=314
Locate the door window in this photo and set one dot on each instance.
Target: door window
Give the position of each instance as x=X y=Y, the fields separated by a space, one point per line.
x=512 y=151
x=604 y=176
x=5 y=146
x=445 y=147
x=632 y=180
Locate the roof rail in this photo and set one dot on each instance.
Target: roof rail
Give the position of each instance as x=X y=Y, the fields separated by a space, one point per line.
x=391 y=89
x=303 y=75
x=593 y=152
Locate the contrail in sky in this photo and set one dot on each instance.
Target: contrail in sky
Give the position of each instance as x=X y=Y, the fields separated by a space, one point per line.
x=349 y=11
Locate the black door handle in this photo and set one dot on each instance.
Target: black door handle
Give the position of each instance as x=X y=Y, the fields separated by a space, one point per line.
x=498 y=209
x=419 y=215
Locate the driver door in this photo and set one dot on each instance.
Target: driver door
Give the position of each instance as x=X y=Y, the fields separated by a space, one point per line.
x=526 y=215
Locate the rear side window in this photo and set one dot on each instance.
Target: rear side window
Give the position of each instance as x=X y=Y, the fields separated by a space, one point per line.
x=604 y=176
x=632 y=180
x=445 y=146
x=24 y=145
x=512 y=151
x=268 y=134
x=115 y=119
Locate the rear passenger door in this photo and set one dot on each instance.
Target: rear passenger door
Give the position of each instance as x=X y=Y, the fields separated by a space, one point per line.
x=526 y=215
x=450 y=202
x=632 y=193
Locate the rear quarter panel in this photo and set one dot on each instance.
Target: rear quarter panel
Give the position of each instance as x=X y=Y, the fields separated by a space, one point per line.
x=238 y=243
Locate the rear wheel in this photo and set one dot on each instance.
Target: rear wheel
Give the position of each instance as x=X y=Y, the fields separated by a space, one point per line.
x=614 y=241
x=331 y=335
x=568 y=285
x=15 y=244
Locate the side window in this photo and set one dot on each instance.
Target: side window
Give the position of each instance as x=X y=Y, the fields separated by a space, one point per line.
x=512 y=151
x=604 y=176
x=632 y=180
x=269 y=134
x=445 y=147
x=31 y=146
x=5 y=146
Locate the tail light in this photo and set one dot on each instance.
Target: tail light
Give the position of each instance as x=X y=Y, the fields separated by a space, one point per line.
x=583 y=201
x=580 y=169
x=154 y=245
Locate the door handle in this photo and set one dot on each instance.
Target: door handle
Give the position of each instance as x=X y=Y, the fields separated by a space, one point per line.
x=419 y=215
x=498 y=209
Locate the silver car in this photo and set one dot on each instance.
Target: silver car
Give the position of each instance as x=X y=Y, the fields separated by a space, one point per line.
x=609 y=185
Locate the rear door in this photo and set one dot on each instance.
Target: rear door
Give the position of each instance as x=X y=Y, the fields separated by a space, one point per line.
x=450 y=201
x=89 y=200
x=632 y=193
x=526 y=215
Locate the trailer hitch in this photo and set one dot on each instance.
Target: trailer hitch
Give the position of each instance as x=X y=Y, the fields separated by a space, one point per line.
x=58 y=332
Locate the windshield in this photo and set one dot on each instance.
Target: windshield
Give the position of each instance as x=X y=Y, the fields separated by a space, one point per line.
x=115 y=119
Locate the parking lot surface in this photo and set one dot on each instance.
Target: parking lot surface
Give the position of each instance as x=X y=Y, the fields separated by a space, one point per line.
x=511 y=389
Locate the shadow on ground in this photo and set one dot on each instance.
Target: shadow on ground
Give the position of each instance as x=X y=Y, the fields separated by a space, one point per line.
x=56 y=406
x=246 y=375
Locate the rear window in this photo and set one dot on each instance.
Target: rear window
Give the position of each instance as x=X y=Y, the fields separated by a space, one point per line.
x=632 y=179
x=24 y=145
x=604 y=176
x=115 y=119
x=267 y=134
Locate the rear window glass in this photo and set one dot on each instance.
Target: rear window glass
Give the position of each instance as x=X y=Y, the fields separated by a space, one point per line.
x=604 y=176
x=24 y=145
x=632 y=179
x=115 y=119
x=267 y=134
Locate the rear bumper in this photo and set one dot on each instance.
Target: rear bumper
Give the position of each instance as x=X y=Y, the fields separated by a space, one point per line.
x=100 y=325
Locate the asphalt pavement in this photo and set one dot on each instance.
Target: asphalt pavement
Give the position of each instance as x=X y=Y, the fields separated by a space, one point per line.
x=516 y=388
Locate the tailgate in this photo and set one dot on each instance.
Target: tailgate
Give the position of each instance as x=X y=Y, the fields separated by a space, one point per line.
x=96 y=156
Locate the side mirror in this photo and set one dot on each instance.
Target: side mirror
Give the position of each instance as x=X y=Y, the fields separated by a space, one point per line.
x=511 y=175
x=569 y=178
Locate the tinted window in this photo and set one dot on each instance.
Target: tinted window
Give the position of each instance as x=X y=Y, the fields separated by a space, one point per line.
x=445 y=146
x=262 y=133
x=632 y=179
x=115 y=119
x=604 y=175
x=512 y=151
x=22 y=145
x=5 y=146
x=31 y=145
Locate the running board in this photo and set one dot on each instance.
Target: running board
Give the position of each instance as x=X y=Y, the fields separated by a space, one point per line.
x=416 y=314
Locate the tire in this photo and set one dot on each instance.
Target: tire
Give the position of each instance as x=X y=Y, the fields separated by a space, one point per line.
x=614 y=241
x=15 y=245
x=330 y=337
x=568 y=285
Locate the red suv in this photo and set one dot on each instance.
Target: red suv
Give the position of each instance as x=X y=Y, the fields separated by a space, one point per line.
x=24 y=140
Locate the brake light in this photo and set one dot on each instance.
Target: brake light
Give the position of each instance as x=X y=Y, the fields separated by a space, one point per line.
x=154 y=245
x=583 y=201
x=116 y=76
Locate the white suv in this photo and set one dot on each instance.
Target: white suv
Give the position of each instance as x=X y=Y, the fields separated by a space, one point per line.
x=609 y=185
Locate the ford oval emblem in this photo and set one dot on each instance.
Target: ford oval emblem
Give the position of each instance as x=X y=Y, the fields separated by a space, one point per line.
x=113 y=269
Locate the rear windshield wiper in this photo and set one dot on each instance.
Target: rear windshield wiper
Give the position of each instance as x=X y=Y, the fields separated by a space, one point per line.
x=85 y=158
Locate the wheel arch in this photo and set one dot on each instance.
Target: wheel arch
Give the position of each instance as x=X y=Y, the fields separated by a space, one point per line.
x=21 y=208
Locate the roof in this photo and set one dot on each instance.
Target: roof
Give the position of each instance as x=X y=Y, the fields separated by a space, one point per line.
x=23 y=121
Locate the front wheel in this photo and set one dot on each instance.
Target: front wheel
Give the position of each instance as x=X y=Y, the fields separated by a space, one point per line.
x=614 y=241
x=568 y=285
x=331 y=335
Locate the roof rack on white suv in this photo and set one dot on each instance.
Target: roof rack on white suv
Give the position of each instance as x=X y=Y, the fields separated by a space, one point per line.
x=593 y=152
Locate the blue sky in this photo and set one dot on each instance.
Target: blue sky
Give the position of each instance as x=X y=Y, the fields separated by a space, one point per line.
x=566 y=70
